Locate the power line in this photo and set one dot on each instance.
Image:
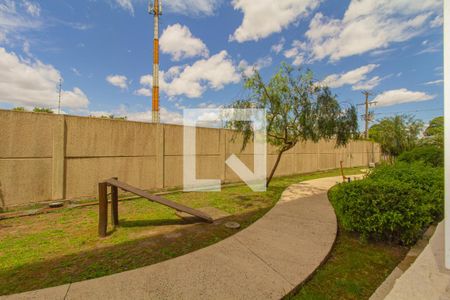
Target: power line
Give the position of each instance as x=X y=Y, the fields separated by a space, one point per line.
x=411 y=111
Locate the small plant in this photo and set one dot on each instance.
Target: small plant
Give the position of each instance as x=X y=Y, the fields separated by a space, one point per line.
x=42 y=110
x=113 y=117
x=19 y=108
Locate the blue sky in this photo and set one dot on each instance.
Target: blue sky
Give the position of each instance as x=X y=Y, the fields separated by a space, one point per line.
x=102 y=50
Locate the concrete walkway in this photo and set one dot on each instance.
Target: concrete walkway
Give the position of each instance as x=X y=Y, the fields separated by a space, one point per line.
x=267 y=260
x=427 y=277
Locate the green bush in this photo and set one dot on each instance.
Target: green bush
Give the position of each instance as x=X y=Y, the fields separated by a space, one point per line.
x=430 y=155
x=395 y=203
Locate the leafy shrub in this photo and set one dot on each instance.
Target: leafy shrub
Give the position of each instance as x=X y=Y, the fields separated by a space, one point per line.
x=430 y=155
x=395 y=203
x=422 y=177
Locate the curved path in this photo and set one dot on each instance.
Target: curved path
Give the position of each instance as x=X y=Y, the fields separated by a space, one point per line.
x=267 y=260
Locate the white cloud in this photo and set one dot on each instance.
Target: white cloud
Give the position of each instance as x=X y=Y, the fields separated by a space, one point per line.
x=368 y=84
x=166 y=116
x=248 y=69
x=79 y=26
x=382 y=52
x=296 y=53
x=146 y=92
x=193 y=80
x=400 y=96
x=355 y=77
x=76 y=72
x=278 y=47
x=32 y=8
x=434 y=82
x=264 y=17
x=74 y=99
x=209 y=105
x=126 y=5
x=119 y=81
x=16 y=17
x=193 y=7
x=437 y=21
x=178 y=41
x=431 y=48
x=367 y=25
x=26 y=48
x=33 y=83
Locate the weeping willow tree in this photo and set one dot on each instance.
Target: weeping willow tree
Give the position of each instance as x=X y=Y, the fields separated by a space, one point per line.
x=297 y=109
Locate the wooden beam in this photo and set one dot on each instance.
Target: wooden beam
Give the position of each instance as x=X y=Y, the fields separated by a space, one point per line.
x=158 y=199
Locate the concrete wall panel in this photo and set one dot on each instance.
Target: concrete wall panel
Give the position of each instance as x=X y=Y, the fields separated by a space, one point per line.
x=306 y=163
x=286 y=165
x=26 y=135
x=306 y=148
x=94 y=137
x=207 y=143
x=25 y=181
x=208 y=167
x=236 y=146
x=327 y=161
x=84 y=174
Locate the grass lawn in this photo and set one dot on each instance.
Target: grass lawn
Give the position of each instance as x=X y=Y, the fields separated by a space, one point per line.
x=354 y=271
x=63 y=246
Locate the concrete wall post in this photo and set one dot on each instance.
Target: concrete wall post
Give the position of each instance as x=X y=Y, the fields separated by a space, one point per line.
x=222 y=153
x=58 y=158
x=159 y=171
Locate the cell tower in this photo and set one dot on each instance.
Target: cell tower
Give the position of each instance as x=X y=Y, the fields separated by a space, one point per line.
x=156 y=11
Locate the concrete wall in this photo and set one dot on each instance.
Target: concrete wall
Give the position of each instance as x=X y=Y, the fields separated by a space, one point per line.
x=50 y=157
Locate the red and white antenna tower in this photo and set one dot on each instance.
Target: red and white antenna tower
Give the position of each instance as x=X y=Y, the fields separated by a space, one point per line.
x=156 y=11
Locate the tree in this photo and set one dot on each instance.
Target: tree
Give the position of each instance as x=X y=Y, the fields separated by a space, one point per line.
x=43 y=110
x=19 y=108
x=396 y=134
x=434 y=134
x=297 y=109
x=113 y=117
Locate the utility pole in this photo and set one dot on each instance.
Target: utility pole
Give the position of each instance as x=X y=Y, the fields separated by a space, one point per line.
x=59 y=99
x=156 y=11
x=367 y=115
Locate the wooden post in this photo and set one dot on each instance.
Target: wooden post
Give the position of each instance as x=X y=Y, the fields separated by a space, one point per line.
x=115 y=204
x=102 y=208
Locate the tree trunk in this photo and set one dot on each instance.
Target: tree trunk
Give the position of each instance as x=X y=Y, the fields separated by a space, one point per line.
x=269 y=179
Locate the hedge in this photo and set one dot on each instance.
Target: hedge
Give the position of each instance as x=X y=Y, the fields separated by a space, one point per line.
x=430 y=155
x=395 y=203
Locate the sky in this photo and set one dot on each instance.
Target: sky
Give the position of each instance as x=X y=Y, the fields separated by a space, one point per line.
x=101 y=50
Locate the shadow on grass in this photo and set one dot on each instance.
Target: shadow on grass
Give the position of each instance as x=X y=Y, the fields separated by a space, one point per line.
x=125 y=256
x=145 y=223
